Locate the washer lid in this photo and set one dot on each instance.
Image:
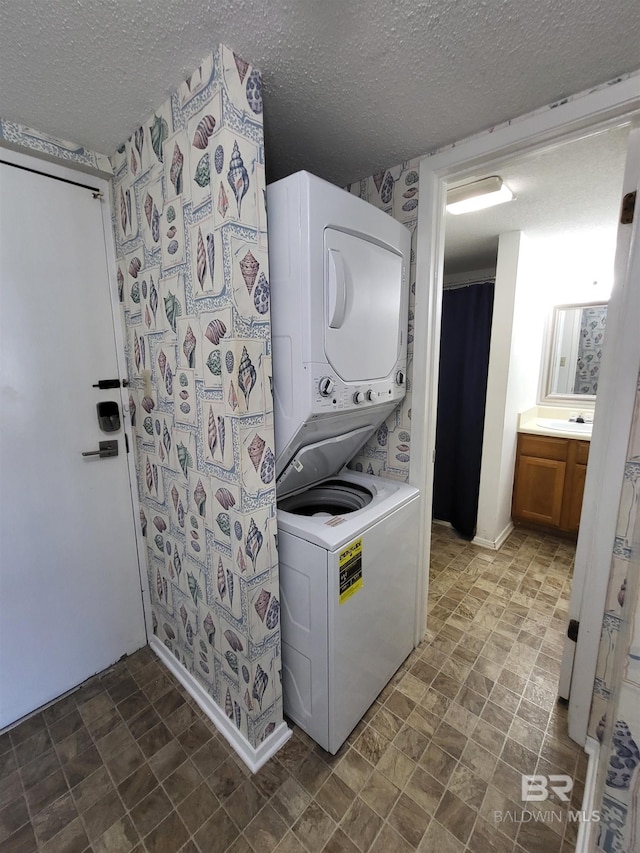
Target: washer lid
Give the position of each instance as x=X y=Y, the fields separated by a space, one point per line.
x=320 y=460
x=337 y=531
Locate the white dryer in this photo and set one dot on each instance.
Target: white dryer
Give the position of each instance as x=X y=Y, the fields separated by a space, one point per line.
x=339 y=277
x=347 y=542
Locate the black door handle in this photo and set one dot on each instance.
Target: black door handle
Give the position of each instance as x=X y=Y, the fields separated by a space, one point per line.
x=109 y=383
x=106 y=449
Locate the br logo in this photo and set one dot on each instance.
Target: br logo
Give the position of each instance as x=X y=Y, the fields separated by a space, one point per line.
x=536 y=788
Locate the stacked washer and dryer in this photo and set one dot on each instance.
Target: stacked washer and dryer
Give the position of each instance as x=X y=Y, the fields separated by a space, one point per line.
x=347 y=542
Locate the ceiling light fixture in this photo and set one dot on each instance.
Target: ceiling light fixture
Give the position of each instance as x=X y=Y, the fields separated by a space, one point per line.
x=478 y=195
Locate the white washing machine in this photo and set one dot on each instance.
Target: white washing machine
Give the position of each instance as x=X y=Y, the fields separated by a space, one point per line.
x=348 y=570
x=347 y=543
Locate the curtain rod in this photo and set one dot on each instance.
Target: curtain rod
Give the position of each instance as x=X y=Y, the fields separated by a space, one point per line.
x=96 y=192
x=490 y=280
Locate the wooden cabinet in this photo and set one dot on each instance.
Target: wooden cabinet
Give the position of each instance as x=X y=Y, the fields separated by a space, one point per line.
x=539 y=490
x=549 y=481
x=574 y=498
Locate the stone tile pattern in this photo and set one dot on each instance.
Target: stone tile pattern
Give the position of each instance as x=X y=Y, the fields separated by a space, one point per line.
x=192 y=274
x=128 y=762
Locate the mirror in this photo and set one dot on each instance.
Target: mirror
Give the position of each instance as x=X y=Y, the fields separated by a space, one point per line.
x=573 y=368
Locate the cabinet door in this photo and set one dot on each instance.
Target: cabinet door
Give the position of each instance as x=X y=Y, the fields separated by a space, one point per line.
x=538 y=490
x=573 y=499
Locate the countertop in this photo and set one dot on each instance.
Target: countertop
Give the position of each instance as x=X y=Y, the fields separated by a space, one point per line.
x=528 y=422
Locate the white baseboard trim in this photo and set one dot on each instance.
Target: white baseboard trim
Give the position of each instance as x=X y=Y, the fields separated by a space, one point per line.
x=253 y=757
x=587 y=828
x=493 y=544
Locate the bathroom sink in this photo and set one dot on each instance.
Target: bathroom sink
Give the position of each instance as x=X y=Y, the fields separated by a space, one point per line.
x=567 y=426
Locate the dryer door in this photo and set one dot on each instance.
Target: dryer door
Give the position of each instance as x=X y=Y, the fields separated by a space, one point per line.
x=363 y=299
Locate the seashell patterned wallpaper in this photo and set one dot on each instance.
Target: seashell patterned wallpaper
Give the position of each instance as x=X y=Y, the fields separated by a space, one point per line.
x=592 y=330
x=615 y=710
x=193 y=280
x=388 y=452
x=51 y=146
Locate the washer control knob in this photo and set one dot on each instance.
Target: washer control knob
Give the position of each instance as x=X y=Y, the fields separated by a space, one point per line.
x=371 y=395
x=358 y=397
x=326 y=386
x=400 y=377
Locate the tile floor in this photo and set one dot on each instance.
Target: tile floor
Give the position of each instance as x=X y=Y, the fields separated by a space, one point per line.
x=128 y=763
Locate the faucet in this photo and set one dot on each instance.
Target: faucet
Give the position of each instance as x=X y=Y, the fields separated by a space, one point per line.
x=581 y=418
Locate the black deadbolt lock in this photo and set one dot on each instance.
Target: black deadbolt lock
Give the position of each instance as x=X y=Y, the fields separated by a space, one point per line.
x=108 y=416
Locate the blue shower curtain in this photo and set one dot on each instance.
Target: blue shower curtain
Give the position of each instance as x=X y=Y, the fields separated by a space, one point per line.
x=462 y=391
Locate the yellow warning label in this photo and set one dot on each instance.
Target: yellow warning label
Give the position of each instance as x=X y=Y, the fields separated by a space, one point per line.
x=350 y=567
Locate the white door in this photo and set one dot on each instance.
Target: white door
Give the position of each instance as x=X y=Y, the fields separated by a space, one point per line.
x=611 y=428
x=70 y=593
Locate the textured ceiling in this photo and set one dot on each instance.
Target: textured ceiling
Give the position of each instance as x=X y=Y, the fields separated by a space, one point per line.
x=350 y=86
x=572 y=191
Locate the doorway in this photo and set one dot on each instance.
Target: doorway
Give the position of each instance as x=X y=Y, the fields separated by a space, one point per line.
x=565 y=254
x=487 y=153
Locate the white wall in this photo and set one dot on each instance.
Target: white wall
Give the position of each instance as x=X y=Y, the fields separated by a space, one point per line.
x=573 y=265
x=514 y=361
x=532 y=275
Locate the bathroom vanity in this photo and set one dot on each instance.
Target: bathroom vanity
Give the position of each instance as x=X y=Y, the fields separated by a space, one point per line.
x=550 y=472
x=549 y=481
